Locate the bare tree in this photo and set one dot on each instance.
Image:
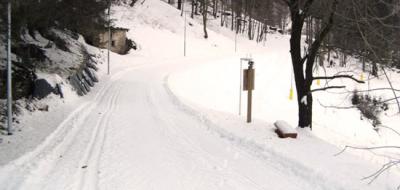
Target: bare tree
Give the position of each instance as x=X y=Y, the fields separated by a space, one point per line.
x=303 y=65
x=204 y=5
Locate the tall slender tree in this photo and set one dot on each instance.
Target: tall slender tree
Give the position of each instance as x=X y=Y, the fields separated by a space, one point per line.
x=204 y=6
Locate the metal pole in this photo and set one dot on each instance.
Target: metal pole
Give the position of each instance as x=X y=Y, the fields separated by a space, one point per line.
x=9 y=77
x=109 y=38
x=184 y=38
x=236 y=41
x=240 y=88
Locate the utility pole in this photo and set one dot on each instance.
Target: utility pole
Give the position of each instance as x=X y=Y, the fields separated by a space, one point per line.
x=9 y=76
x=109 y=38
x=184 y=29
x=184 y=38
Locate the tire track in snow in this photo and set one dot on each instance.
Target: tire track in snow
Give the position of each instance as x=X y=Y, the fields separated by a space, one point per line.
x=50 y=161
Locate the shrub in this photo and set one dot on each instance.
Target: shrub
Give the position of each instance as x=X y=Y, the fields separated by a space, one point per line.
x=370 y=107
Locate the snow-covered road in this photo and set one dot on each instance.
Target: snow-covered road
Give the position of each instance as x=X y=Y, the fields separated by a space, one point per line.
x=135 y=135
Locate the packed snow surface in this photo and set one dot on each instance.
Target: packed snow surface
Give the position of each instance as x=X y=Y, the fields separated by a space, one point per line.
x=164 y=121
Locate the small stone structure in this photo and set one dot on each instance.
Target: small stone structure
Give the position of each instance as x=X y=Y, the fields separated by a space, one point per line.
x=119 y=41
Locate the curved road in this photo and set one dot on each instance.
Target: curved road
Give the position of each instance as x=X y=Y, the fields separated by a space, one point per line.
x=133 y=134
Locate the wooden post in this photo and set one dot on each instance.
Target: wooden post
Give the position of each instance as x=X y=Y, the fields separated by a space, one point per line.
x=248 y=84
x=249 y=97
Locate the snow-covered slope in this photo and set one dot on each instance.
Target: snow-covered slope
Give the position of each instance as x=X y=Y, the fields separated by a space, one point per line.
x=163 y=121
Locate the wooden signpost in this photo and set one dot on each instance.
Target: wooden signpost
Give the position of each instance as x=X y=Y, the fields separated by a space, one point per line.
x=248 y=85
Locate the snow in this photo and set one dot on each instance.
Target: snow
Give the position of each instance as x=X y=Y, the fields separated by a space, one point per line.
x=284 y=127
x=304 y=100
x=164 y=121
x=219 y=91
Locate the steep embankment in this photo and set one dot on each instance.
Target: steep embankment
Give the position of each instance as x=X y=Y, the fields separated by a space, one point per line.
x=50 y=71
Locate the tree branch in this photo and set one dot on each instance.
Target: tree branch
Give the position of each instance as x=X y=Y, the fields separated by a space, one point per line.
x=336 y=107
x=367 y=148
x=385 y=167
x=338 y=76
x=386 y=127
x=317 y=43
x=327 y=88
x=391 y=99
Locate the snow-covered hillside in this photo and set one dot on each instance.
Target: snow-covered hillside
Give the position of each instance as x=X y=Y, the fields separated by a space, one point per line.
x=165 y=121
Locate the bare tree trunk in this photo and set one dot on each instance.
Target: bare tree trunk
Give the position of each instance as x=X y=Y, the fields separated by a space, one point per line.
x=204 y=9
x=363 y=60
x=180 y=4
x=215 y=8
x=232 y=16
x=258 y=32
x=196 y=7
x=303 y=66
x=249 y=11
x=344 y=59
x=374 y=71
x=193 y=6
x=222 y=12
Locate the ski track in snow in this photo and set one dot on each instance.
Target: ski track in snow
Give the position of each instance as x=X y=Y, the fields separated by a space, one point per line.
x=48 y=159
x=253 y=150
x=89 y=176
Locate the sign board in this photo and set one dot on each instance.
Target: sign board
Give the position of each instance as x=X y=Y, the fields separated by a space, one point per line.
x=248 y=79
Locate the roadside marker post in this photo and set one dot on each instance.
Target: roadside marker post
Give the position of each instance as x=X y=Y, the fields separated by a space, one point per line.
x=248 y=85
x=240 y=81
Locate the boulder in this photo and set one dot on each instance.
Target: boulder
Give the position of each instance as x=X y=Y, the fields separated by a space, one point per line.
x=76 y=84
x=42 y=88
x=83 y=83
x=92 y=74
x=87 y=78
